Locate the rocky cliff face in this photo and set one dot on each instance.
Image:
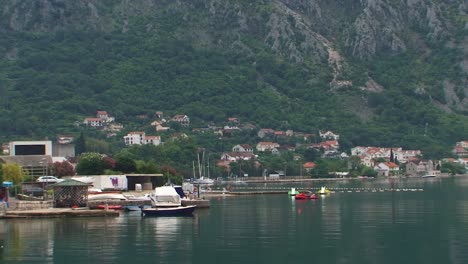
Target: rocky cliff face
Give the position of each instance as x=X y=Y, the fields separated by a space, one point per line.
x=328 y=32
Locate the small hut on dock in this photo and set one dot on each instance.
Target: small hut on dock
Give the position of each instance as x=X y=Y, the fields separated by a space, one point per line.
x=69 y=193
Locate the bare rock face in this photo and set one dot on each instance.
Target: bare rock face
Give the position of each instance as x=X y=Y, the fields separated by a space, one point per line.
x=376 y=28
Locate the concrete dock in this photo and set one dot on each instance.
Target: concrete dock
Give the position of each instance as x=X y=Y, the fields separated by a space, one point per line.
x=58 y=212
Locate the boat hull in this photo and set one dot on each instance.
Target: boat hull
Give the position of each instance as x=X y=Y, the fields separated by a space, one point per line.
x=302 y=196
x=169 y=211
x=112 y=207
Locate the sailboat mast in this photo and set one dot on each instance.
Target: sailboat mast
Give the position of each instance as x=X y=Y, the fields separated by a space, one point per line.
x=193 y=169
x=208 y=167
x=199 y=168
x=203 y=164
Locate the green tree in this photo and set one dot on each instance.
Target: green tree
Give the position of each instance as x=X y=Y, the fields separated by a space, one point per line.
x=144 y=167
x=80 y=144
x=91 y=163
x=125 y=164
x=311 y=154
x=369 y=172
x=452 y=168
x=1 y=172
x=13 y=172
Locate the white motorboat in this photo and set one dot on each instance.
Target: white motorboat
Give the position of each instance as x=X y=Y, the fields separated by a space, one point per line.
x=165 y=196
x=106 y=196
x=166 y=201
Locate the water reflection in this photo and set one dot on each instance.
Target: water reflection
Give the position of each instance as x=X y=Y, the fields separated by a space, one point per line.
x=15 y=245
x=357 y=227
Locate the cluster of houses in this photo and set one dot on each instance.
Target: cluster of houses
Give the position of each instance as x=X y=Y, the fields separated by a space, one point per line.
x=105 y=122
x=385 y=161
x=140 y=138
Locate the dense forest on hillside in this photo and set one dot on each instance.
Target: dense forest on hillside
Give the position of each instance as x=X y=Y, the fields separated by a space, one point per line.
x=181 y=59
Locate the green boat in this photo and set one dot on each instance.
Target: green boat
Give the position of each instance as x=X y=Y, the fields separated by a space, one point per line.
x=293 y=192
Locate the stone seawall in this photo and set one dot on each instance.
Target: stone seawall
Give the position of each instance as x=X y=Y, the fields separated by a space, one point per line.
x=2 y=209
x=95 y=204
x=30 y=205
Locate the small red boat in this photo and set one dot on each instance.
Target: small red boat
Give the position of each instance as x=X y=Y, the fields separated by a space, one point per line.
x=306 y=196
x=114 y=207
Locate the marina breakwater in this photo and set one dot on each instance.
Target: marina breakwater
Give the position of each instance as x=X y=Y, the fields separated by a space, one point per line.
x=242 y=190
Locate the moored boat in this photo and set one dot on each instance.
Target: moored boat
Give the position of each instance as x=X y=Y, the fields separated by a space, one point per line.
x=306 y=196
x=106 y=196
x=203 y=180
x=169 y=211
x=166 y=201
x=293 y=192
x=323 y=191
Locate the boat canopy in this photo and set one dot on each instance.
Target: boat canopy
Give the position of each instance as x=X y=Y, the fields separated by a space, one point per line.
x=166 y=195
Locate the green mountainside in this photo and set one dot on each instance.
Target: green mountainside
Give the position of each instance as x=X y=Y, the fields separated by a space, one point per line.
x=378 y=72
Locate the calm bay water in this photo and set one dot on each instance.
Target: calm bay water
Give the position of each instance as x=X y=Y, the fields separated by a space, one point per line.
x=429 y=226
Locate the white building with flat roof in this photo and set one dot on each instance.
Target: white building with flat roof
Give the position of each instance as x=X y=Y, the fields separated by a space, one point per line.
x=20 y=148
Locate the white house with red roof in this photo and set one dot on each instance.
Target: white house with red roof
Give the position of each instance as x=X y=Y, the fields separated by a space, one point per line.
x=328 y=135
x=183 y=120
x=233 y=120
x=140 y=138
x=264 y=146
x=237 y=156
x=463 y=144
x=93 y=121
x=387 y=168
x=102 y=118
x=308 y=166
x=242 y=148
x=461 y=148
x=376 y=152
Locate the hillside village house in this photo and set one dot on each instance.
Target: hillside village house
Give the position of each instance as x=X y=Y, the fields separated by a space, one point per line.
x=93 y=121
x=420 y=167
x=328 y=135
x=113 y=128
x=159 y=127
x=265 y=132
x=140 y=138
x=330 y=145
x=308 y=166
x=233 y=121
x=183 y=120
x=461 y=149
x=387 y=169
x=243 y=148
x=236 y=156
x=159 y=114
x=6 y=149
x=102 y=118
x=401 y=155
x=464 y=162
x=264 y=146
x=65 y=139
